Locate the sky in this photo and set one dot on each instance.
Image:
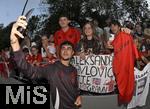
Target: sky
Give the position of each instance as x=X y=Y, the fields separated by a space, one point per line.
x=148 y=3
x=11 y=9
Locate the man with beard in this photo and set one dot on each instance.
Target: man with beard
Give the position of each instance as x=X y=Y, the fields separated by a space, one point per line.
x=62 y=76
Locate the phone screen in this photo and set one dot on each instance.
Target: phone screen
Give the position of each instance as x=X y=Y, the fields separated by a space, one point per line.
x=28 y=14
x=112 y=37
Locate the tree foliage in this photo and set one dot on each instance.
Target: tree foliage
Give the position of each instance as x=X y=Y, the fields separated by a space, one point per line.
x=137 y=9
x=78 y=10
x=4 y=36
x=36 y=25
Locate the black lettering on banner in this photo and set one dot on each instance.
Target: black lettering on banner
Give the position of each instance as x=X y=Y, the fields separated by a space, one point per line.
x=97 y=60
x=104 y=89
x=82 y=79
x=93 y=71
x=97 y=89
x=92 y=60
x=84 y=70
x=108 y=60
x=142 y=84
x=142 y=75
x=86 y=61
x=103 y=61
x=109 y=73
x=88 y=80
x=78 y=67
x=102 y=72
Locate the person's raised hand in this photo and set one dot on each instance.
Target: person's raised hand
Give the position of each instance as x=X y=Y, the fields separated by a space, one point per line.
x=15 y=33
x=126 y=30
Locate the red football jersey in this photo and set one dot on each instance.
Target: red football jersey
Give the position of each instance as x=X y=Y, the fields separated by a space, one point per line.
x=72 y=35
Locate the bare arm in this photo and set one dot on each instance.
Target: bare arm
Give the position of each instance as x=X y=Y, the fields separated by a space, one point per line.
x=19 y=56
x=15 y=34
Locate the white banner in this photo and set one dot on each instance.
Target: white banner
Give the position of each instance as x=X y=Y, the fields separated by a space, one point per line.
x=142 y=80
x=95 y=73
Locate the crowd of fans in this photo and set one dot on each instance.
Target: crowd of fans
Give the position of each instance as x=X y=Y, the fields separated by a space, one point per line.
x=91 y=40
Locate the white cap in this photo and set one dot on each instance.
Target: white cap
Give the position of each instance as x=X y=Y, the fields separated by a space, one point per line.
x=33 y=44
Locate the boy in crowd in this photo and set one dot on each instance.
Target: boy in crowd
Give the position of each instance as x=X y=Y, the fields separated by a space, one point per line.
x=66 y=33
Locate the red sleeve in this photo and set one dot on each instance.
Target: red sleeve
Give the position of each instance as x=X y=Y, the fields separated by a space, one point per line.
x=31 y=70
x=28 y=58
x=39 y=58
x=78 y=34
x=55 y=39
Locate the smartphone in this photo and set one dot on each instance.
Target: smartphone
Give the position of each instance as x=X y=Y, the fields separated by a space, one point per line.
x=23 y=31
x=112 y=37
x=27 y=15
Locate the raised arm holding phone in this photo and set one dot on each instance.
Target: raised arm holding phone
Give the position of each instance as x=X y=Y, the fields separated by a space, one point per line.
x=61 y=76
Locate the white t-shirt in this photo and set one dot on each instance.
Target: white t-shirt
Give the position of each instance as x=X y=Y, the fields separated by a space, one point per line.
x=51 y=49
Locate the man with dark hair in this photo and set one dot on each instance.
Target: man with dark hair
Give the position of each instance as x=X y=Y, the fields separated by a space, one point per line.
x=125 y=53
x=61 y=76
x=66 y=33
x=115 y=22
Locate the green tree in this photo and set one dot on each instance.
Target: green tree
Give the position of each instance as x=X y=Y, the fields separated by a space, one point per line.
x=73 y=8
x=78 y=10
x=137 y=9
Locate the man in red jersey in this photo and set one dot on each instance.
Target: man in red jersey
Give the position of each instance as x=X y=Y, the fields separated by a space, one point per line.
x=66 y=33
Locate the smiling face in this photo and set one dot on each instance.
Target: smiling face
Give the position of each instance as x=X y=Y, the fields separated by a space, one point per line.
x=34 y=51
x=44 y=39
x=66 y=52
x=88 y=30
x=64 y=22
